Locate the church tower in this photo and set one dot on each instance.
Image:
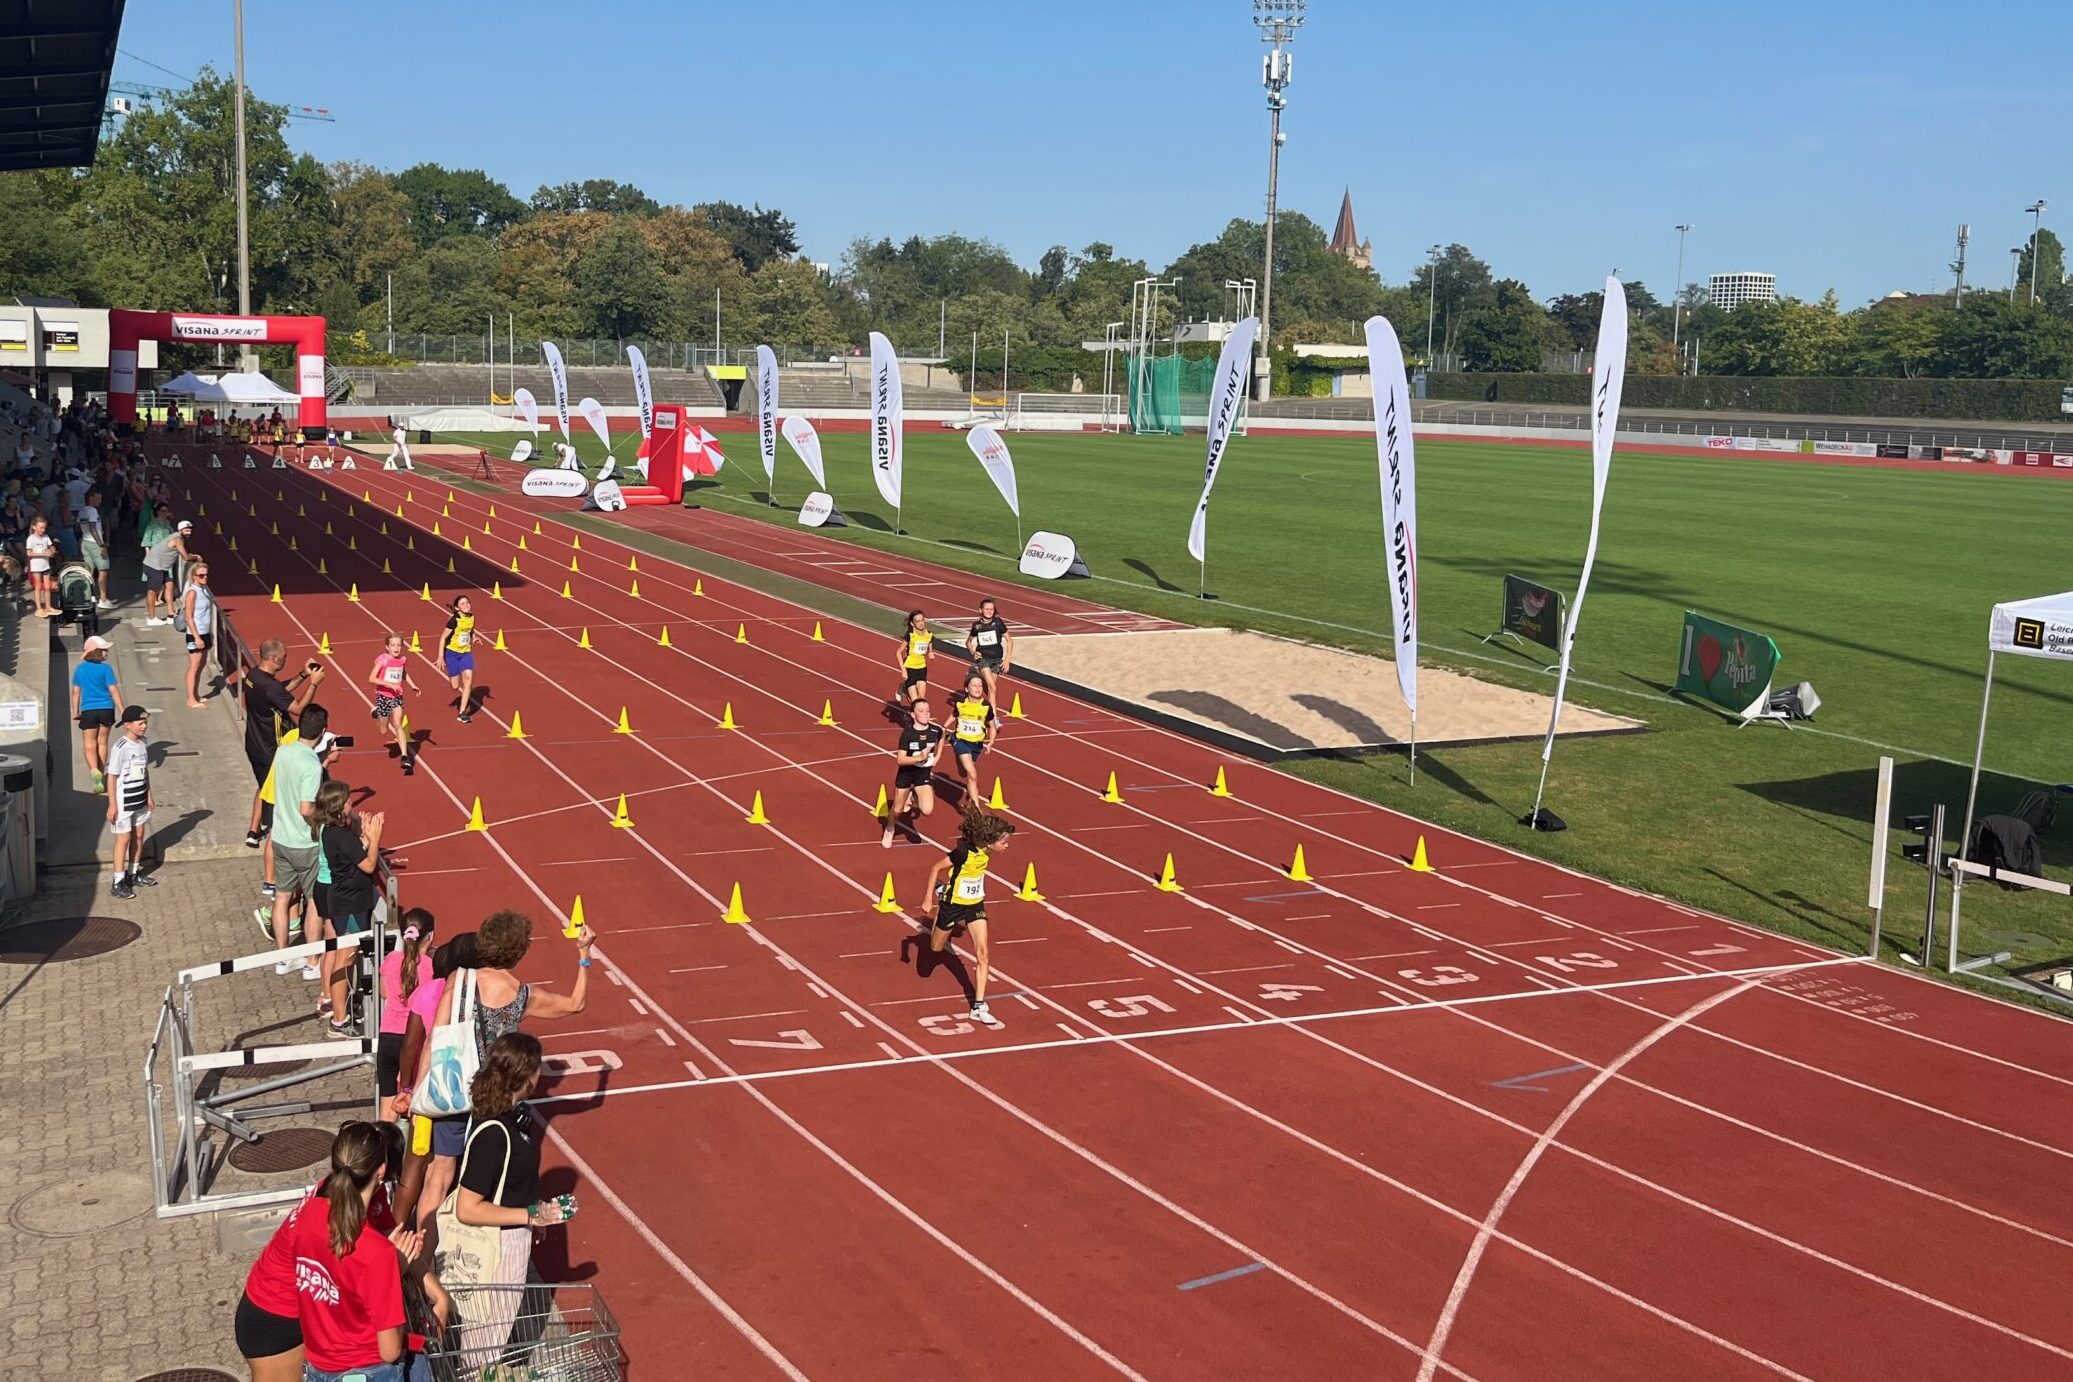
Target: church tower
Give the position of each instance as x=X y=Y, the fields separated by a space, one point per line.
x=1346 y=241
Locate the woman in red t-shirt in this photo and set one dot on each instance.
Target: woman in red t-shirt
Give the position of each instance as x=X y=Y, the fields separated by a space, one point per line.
x=328 y=1288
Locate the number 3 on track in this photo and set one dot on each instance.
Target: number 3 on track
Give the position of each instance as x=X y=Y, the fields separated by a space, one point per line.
x=1138 y=1006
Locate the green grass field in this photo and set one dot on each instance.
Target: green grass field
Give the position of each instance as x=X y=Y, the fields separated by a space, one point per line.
x=1875 y=583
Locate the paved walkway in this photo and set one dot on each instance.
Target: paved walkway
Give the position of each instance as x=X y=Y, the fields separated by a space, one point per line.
x=92 y=1285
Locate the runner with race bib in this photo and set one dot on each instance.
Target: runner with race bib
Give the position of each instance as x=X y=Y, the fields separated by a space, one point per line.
x=391 y=674
x=957 y=885
x=917 y=646
x=992 y=647
x=973 y=727
x=457 y=654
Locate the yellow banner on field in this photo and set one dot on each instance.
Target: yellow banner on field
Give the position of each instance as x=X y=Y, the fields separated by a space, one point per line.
x=497 y=399
x=728 y=371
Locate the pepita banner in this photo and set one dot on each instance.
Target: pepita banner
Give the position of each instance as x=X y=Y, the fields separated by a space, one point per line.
x=1726 y=666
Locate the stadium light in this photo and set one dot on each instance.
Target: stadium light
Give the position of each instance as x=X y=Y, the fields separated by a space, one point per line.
x=1277 y=21
x=246 y=358
x=1677 y=288
x=2036 y=210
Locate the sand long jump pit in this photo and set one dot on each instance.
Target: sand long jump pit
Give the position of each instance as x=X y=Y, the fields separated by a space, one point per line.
x=1270 y=697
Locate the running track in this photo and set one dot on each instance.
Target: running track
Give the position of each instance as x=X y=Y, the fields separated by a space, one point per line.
x=1500 y=1121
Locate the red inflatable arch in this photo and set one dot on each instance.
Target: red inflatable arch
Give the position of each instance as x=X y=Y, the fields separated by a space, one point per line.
x=127 y=328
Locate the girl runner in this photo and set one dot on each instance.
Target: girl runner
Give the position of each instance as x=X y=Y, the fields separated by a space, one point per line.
x=975 y=725
x=921 y=743
x=991 y=645
x=917 y=646
x=457 y=654
x=961 y=900
x=390 y=675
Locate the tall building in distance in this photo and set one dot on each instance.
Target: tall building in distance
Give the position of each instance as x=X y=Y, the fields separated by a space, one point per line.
x=1729 y=291
x=1347 y=241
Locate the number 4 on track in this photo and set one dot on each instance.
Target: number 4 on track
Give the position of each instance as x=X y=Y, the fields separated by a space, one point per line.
x=794 y=1039
x=1287 y=993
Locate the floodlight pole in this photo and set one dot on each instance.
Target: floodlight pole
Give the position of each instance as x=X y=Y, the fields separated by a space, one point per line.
x=1277 y=21
x=2036 y=210
x=244 y=235
x=1677 y=288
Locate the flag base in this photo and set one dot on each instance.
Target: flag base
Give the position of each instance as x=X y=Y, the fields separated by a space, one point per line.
x=1540 y=818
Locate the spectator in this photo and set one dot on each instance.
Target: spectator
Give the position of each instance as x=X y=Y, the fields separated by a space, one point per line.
x=352 y=849
x=271 y=710
x=130 y=801
x=296 y=777
x=93 y=544
x=96 y=692
x=157 y=541
x=500 y=1185
x=406 y=970
x=40 y=548
x=348 y=1276
x=198 y=612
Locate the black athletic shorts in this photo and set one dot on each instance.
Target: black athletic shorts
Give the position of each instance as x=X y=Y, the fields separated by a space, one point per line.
x=955 y=917
x=96 y=719
x=916 y=676
x=388 y=1062
x=262 y=1333
x=908 y=778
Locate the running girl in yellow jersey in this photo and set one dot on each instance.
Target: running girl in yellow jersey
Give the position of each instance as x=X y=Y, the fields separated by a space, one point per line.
x=457 y=654
x=973 y=726
x=917 y=646
x=961 y=897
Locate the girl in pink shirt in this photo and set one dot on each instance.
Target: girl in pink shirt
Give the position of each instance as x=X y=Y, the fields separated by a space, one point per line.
x=390 y=675
x=405 y=973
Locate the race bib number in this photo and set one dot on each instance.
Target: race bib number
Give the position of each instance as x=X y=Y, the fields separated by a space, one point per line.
x=970 y=727
x=463 y=639
x=919 y=644
x=971 y=888
x=392 y=676
x=988 y=638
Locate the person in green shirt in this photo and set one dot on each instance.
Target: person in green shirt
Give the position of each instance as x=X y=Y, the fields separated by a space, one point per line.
x=297 y=775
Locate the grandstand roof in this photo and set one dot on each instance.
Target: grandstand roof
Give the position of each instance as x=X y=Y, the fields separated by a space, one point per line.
x=55 y=56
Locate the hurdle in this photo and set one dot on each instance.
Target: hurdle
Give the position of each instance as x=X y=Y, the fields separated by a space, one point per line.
x=186 y=1147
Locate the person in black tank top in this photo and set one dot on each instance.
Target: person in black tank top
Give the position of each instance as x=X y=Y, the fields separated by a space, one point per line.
x=991 y=645
x=921 y=743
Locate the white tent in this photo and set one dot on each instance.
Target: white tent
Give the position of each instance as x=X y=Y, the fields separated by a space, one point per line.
x=234 y=389
x=2038 y=627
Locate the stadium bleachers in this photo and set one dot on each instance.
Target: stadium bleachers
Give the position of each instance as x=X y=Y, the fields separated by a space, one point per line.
x=426 y=386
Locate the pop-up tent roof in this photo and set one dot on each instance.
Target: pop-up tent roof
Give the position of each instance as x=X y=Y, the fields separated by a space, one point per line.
x=234 y=388
x=2039 y=627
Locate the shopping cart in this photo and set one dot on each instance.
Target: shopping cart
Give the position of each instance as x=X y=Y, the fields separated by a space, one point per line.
x=558 y=1333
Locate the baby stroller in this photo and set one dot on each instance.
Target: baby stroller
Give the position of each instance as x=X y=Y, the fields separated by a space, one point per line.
x=77 y=597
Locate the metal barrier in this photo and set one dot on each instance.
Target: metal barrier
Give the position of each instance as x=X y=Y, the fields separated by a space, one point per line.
x=183 y=1164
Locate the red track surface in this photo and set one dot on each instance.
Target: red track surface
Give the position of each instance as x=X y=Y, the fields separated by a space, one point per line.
x=1738 y=1156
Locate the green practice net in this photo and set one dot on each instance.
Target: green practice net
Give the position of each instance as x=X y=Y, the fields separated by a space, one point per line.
x=1169 y=393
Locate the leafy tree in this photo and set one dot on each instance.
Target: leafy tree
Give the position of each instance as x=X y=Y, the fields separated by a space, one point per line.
x=1311 y=284
x=2050 y=257
x=790 y=309
x=369 y=234
x=596 y=194
x=39 y=256
x=1455 y=282
x=1507 y=336
x=619 y=290
x=456 y=201
x=1051 y=271
x=756 y=236
x=1784 y=337
x=1896 y=339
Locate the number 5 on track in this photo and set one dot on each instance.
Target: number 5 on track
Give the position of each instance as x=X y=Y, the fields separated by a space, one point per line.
x=1137 y=1006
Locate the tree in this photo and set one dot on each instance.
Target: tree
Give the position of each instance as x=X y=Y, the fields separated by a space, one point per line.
x=1896 y=339
x=1455 y=282
x=1051 y=272
x=1783 y=337
x=756 y=236
x=456 y=201
x=619 y=290
x=369 y=234
x=789 y=306
x=39 y=254
x=596 y=194
x=2050 y=257
x=1507 y=336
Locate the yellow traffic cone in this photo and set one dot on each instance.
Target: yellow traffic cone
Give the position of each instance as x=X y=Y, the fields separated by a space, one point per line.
x=1015 y=708
x=292 y=546
x=449 y=496
x=514 y=566
x=883 y=808
x=301 y=512
x=536 y=527
x=276 y=596
x=755 y=815
x=435 y=529
x=517 y=730
x=352 y=543
x=576 y=542
x=1167 y=882
x=493 y=511
x=698 y=585
x=496 y=590
x=575 y=565
x=426 y=594
x=621 y=820
x=449 y=567
x=485 y=528
x=817 y=632
x=827 y=714
x=499 y=644
x=353 y=593
x=633 y=563
x=625 y=726
x=233 y=542
x=251 y=568
x=635 y=591
x=327 y=529
x=1028 y=892
x=998 y=801
x=1220 y=789
x=416 y=644
x=322 y=570
x=385 y=567
x=521 y=542
x=467 y=543
x=1297 y=873
x=277 y=530
x=735 y=915
x=886 y=901
x=566 y=593
x=741 y=633
x=1419 y=863
x=324 y=645
x=576 y=922
x=663 y=642
x=410 y=496
x=399 y=511
x=584 y=641
x=1112 y=793
x=475 y=820
x=385 y=527
x=727 y=717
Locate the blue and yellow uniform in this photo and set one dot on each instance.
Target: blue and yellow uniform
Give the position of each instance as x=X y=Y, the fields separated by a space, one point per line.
x=970 y=719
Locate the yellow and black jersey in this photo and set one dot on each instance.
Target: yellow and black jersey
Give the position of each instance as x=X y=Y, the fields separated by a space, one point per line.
x=967 y=885
x=920 y=642
x=970 y=719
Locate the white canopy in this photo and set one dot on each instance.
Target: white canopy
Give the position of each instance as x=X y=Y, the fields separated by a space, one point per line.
x=2039 y=627
x=234 y=389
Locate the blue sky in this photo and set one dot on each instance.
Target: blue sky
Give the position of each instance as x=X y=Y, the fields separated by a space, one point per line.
x=1832 y=142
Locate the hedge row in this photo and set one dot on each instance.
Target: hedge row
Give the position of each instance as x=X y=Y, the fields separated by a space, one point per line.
x=1984 y=400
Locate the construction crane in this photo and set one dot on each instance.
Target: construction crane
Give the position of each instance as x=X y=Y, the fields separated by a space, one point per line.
x=119 y=102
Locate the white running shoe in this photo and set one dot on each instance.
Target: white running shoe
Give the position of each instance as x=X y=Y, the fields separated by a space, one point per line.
x=310 y=971
x=984 y=1015
x=281 y=968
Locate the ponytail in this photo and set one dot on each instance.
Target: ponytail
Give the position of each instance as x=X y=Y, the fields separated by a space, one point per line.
x=980 y=828
x=417 y=934
x=357 y=1156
